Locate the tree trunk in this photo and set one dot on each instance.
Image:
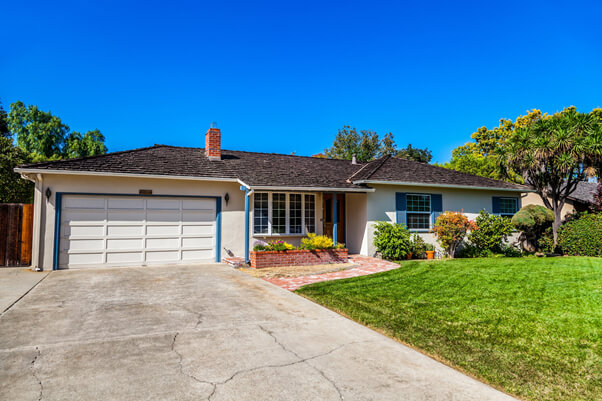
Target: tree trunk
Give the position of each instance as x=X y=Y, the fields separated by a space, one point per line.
x=556 y=225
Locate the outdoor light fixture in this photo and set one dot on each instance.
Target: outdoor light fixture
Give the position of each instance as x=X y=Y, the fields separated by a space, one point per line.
x=48 y=193
x=227 y=198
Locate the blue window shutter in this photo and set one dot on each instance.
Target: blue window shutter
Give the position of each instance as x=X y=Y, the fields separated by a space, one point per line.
x=495 y=209
x=400 y=207
x=436 y=207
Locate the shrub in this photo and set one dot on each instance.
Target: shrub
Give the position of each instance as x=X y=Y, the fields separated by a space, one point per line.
x=274 y=245
x=314 y=241
x=391 y=240
x=532 y=220
x=582 y=236
x=472 y=251
x=450 y=229
x=545 y=243
x=491 y=232
x=418 y=246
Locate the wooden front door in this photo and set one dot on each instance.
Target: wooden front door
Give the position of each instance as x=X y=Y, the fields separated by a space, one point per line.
x=328 y=217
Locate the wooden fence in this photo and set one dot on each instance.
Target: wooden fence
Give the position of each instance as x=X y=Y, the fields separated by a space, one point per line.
x=16 y=229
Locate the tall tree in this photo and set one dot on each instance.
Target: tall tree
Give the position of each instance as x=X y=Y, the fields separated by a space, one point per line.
x=416 y=154
x=4 y=132
x=13 y=188
x=478 y=156
x=367 y=146
x=554 y=154
x=45 y=137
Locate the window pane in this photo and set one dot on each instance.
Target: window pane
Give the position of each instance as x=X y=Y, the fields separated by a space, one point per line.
x=278 y=213
x=294 y=211
x=418 y=203
x=418 y=221
x=260 y=214
x=508 y=205
x=310 y=214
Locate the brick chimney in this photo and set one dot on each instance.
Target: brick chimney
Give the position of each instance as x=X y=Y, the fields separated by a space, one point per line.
x=213 y=143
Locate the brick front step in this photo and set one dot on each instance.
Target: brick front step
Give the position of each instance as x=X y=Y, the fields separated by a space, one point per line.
x=298 y=257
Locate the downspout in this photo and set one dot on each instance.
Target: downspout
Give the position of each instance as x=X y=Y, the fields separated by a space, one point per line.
x=248 y=193
x=334 y=220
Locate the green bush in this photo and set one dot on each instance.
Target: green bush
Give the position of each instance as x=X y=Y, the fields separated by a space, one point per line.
x=469 y=250
x=391 y=240
x=491 y=232
x=582 y=236
x=533 y=221
x=545 y=243
x=418 y=246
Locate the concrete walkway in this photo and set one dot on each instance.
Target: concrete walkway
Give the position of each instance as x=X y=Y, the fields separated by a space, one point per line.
x=365 y=265
x=203 y=333
x=15 y=282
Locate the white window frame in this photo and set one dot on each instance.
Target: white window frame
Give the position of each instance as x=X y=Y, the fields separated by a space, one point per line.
x=287 y=231
x=508 y=214
x=430 y=213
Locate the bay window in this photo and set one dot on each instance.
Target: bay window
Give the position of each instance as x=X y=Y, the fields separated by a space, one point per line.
x=284 y=213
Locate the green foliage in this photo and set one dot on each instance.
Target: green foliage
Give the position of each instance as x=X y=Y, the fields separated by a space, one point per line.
x=582 y=236
x=45 y=137
x=367 y=146
x=274 y=245
x=545 y=242
x=530 y=326
x=554 y=154
x=491 y=232
x=532 y=221
x=4 y=131
x=469 y=250
x=478 y=157
x=416 y=154
x=392 y=240
x=313 y=241
x=417 y=246
x=450 y=229
x=13 y=188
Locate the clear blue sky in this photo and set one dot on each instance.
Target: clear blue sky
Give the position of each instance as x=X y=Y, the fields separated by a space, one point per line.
x=283 y=76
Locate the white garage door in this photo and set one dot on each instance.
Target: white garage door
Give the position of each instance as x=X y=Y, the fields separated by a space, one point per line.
x=136 y=230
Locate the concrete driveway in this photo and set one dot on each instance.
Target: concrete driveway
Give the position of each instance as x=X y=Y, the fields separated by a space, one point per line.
x=202 y=332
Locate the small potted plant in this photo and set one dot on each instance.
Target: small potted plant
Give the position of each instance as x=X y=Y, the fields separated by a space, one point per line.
x=418 y=246
x=430 y=251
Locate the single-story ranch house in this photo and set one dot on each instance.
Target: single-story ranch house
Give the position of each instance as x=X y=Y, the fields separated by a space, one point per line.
x=166 y=204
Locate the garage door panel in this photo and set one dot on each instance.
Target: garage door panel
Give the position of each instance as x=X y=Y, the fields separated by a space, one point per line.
x=202 y=254
x=197 y=242
x=196 y=204
x=125 y=216
x=198 y=216
x=163 y=230
x=83 y=259
x=124 y=230
x=162 y=243
x=125 y=243
x=82 y=231
x=84 y=202
x=84 y=216
x=162 y=256
x=124 y=257
x=126 y=203
x=197 y=229
x=162 y=215
x=163 y=204
x=86 y=244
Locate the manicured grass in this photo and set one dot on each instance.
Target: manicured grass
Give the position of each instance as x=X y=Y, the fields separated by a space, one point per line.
x=529 y=326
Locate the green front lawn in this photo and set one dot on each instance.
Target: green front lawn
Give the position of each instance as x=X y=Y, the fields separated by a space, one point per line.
x=529 y=326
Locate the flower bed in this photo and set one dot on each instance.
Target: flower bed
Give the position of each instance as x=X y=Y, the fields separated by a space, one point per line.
x=298 y=257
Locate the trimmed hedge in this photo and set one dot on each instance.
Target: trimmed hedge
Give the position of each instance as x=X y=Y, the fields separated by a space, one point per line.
x=582 y=236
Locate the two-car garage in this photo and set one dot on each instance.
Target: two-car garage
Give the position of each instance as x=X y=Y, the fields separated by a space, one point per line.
x=119 y=230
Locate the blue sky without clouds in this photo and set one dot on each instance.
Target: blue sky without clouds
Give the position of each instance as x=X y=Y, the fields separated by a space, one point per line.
x=283 y=76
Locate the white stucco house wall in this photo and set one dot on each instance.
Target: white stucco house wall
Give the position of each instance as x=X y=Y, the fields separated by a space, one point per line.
x=175 y=205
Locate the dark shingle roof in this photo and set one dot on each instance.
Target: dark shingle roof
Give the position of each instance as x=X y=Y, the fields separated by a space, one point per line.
x=585 y=192
x=401 y=170
x=269 y=169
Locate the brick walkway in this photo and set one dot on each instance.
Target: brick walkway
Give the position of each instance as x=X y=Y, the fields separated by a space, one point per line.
x=366 y=265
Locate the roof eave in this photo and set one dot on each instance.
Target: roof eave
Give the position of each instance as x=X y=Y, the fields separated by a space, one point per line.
x=308 y=189
x=453 y=186
x=130 y=175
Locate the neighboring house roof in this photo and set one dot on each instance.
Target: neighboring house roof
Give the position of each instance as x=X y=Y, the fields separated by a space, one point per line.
x=392 y=169
x=584 y=192
x=270 y=170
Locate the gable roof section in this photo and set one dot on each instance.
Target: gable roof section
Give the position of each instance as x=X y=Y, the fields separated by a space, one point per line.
x=268 y=169
x=585 y=192
x=394 y=170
